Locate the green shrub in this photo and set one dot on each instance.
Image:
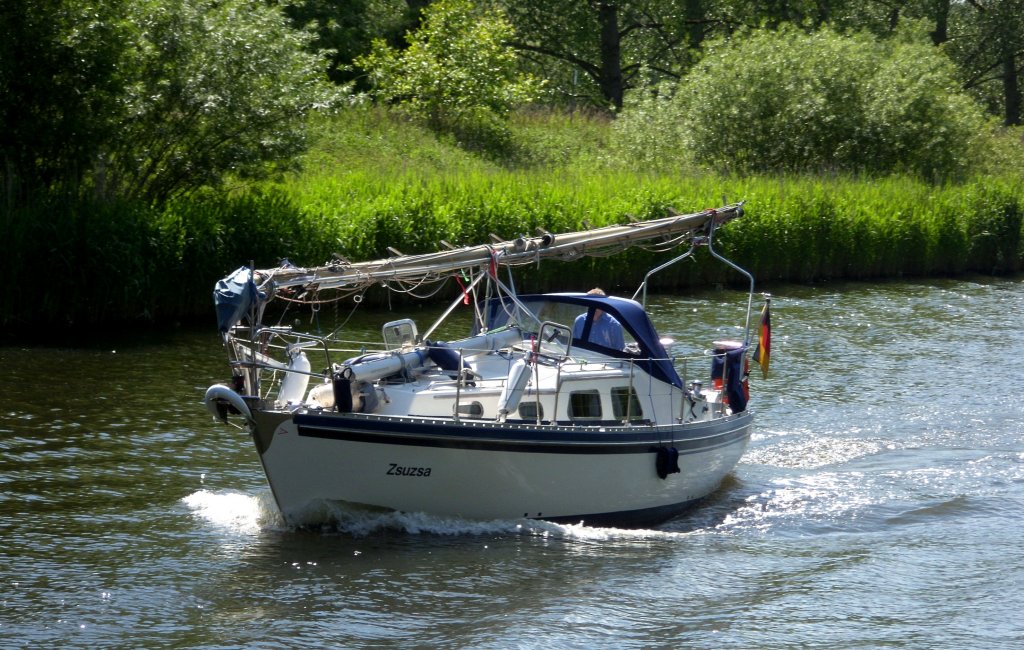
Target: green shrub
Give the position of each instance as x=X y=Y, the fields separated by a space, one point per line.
x=788 y=101
x=457 y=73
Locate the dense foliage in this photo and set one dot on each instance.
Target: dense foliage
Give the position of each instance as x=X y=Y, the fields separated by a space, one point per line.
x=217 y=87
x=149 y=147
x=596 y=53
x=985 y=39
x=60 y=88
x=150 y=100
x=374 y=182
x=346 y=29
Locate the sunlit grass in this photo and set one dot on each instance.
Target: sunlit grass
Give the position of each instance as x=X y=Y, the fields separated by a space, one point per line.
x=411 y=192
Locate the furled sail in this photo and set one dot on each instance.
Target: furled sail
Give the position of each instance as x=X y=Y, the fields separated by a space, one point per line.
x=670 y=231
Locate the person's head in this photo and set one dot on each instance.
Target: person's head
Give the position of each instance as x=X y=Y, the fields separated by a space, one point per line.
x=597 y=291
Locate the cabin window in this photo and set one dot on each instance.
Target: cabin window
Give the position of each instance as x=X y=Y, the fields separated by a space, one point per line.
x=471 y=410
x=585 y=405
x=624 y=401
x=531 y=410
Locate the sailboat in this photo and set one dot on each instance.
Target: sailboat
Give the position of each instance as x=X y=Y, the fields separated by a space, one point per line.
x=565 y=407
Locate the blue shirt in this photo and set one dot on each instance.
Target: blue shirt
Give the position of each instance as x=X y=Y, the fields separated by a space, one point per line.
x=604 y=330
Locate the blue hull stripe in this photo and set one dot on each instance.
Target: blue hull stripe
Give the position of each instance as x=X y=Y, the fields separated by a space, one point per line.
x=489 y=438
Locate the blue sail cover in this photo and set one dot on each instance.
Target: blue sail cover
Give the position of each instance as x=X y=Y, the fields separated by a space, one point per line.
x=652 y=356
x=233 y=296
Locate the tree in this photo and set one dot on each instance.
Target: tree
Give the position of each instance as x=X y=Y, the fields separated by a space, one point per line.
x=152 y=99
x=456 y=67
x=59 y=90
x=613 y=43
x=215 y=87
x=986 y=40
x=346 y=28
x=984 y=37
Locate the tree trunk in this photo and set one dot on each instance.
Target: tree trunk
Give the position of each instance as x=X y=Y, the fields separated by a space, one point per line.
x=941 y=33
x=414 y=11
x=1011 y=91
x=611 y=54
x=694 y=10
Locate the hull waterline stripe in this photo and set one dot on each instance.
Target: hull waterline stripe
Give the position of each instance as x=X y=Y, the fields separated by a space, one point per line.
x=630 y=518
x=427 y=435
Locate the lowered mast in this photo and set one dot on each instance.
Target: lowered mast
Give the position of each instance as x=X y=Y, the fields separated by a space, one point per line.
x=673 y=230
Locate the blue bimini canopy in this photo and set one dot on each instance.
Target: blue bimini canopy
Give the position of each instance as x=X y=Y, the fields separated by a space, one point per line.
x=565 y=307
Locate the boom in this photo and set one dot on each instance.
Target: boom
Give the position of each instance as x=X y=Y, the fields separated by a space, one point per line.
x=671 y=231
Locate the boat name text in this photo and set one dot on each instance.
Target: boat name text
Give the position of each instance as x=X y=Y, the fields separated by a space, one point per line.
x=395 y=469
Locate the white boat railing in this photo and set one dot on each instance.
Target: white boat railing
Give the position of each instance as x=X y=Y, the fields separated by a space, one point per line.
x=251 y=345
x=265 y=373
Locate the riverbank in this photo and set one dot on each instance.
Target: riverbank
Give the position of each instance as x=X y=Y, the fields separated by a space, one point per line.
x=371 y=182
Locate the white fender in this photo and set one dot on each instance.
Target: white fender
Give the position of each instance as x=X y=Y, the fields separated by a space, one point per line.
x=293 y=386
x=215 y=397
x=512 y=393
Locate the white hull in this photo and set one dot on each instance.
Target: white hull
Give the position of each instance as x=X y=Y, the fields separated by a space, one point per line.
x=487 y=471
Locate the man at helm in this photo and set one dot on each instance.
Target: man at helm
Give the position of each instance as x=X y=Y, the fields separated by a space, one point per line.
x=605 y=330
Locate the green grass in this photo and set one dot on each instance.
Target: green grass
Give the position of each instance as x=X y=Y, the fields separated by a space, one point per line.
x=411 y=192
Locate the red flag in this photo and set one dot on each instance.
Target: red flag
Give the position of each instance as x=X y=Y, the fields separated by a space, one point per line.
x=465 y=294
x=763 y=352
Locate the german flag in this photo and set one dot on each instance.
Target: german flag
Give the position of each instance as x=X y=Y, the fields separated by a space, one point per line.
x=763 y=352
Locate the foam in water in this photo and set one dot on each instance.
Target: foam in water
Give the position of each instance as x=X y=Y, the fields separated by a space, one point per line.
x=249 y=514
x=357 y=523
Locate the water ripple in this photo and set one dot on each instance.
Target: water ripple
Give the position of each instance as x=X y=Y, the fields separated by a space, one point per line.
x=878 y=506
